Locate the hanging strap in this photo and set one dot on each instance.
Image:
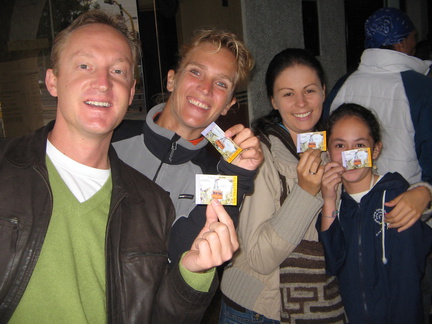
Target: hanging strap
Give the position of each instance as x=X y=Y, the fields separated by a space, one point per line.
x=286 y=139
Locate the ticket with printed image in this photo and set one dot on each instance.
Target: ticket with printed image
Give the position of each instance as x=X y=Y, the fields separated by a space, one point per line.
x=311 y=140
x=223 y=144
x=215 y=186
x=358 y=158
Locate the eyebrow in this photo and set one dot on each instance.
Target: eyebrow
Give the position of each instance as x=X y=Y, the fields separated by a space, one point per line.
x=288 y=88
x=90 y=55
x=204 y=67
x=356 y=140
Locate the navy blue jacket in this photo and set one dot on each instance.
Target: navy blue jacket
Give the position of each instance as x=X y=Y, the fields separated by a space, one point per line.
x=374 y=290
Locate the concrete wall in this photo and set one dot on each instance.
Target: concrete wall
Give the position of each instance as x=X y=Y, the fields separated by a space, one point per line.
x=193 y=14
x=271 y=26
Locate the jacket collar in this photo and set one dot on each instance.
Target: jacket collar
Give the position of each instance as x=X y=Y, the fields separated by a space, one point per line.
x=385 y=60
x=165 y=144
x=29 y=149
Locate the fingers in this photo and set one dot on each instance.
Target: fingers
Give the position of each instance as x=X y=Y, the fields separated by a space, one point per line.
x=234 y=130
x=407 y=225
x=216 y=242
x=251 y=156
x=408 y=208
x=310 y=161
x=225 y=227
x=331 y=179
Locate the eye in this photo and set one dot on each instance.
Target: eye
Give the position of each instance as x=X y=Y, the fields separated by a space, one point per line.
x=288 y=94
x=196 y=72
x=360 y=145
x=83 y=66
x=339 y=145
x=222 y=84
x=118 y=71
x=310 y=91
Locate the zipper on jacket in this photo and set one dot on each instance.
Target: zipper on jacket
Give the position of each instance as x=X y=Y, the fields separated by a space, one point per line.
x=173 y=149
x=111 y=262
x=131 y=255
x=361 y=265
x=15 y=228
x=171 y=152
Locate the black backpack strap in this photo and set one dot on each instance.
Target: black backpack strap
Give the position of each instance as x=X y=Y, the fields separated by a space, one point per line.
x=332 y=95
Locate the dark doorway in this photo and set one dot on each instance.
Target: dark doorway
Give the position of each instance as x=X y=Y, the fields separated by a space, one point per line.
x=159 y=48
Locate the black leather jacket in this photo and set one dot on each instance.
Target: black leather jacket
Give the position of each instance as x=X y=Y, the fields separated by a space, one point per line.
x=141 y=285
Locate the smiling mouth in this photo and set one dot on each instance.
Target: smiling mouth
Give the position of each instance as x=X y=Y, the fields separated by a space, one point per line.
x=198 y=104
x=98 y=103
x=302 y=115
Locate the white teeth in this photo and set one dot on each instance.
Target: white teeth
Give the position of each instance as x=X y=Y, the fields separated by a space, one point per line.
x=198 y=104
x=98 y=103
x=302 y=115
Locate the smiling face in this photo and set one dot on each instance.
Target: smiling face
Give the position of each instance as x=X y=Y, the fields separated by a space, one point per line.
x=201 y=90
x=94 y=84
x=298 y=94
x=350 y=133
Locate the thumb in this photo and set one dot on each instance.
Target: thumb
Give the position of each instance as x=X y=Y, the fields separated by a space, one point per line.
x=211 y=215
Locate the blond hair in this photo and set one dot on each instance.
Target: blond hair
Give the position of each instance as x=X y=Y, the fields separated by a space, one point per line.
x=222 y=39
x=95 y=17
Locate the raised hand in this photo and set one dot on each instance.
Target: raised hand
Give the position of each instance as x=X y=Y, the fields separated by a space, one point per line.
x=215 y=244
x=251 y=156
x=310 y=171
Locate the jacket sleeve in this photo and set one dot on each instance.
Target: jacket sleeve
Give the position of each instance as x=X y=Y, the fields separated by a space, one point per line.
x=177 y=302
x=418 y=89
x=407 y=255
x=334 y=248
x=268 y=234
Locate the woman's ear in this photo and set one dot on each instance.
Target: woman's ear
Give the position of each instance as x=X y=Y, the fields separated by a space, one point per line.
x=228 y=107
x=170 y=80
x=377 y=150
x=273 y=102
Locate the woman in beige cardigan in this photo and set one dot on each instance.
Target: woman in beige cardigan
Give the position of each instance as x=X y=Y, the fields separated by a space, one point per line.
x=279 y=272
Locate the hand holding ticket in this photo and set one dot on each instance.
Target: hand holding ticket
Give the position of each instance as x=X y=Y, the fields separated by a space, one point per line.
x=223 y=144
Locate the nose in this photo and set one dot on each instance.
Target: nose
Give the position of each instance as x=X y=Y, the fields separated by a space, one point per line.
x=206 y=87
x=101 y=81
x=300 y=100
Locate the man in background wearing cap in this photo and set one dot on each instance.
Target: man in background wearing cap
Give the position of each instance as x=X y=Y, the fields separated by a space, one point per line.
x=393 y=83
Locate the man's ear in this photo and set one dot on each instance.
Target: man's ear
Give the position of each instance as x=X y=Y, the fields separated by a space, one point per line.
x=401 y=47
x=170 y=80
x=377 y=150
x=228 y=107
x=51 y=82
x=132 y=92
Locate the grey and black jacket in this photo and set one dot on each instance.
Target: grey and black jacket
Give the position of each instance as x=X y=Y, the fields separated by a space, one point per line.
x=172 y=162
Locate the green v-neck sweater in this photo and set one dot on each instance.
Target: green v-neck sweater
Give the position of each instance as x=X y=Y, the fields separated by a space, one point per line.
x=68 y=282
